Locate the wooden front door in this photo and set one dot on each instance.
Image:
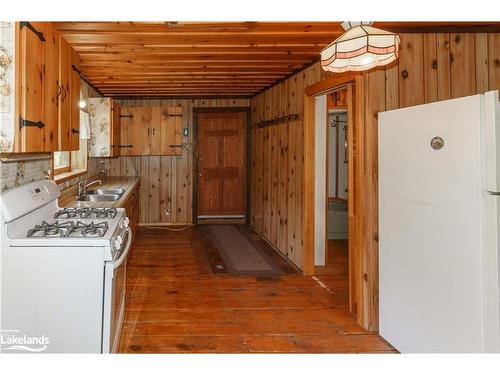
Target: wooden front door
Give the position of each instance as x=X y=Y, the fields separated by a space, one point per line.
x=221 y=164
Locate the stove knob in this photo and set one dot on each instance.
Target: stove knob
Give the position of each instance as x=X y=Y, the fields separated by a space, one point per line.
x=118 y=243
x=124 y=223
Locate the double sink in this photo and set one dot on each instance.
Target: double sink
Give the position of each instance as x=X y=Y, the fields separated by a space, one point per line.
x=102 y=195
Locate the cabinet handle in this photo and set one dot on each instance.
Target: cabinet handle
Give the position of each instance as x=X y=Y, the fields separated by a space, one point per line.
x=148 y=131
x=180 y=145
x=59 y=90
x=74 y=131
x=131 y=116
x=23 y=123
x=126 y=146
x=65 y=92
x=154 y=131
x=32 y=28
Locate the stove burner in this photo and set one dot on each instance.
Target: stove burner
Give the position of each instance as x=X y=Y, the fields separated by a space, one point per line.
x=68 y=213
x=57 y=229
x=88 y=230
x=86 y=213
x=69 y=229
x=102 y=213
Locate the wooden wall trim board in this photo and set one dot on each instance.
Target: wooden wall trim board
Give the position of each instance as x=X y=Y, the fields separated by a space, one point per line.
x=432 y=66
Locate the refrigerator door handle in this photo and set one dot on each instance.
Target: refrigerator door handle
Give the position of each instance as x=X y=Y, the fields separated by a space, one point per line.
x=493 y=192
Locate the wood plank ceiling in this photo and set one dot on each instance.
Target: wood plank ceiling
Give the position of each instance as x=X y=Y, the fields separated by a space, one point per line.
x=202 y=59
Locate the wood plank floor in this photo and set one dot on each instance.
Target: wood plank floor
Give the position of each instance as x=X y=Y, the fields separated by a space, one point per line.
x=176 y=305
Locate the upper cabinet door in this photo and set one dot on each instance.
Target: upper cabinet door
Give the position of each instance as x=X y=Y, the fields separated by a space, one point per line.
x=30 y=55
x=136 y=131
x=115 y=129
x=65 y=95
x=74 y=99
x=155 y=132
x=51 y=91
x=143 y=132
x=171 y=131
x=128 y=130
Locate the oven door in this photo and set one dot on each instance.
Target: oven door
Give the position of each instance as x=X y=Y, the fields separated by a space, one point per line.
x=114 y=297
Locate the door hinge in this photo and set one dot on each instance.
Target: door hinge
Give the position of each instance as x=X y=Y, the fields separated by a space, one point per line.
x=32 y=28
x=23 y=123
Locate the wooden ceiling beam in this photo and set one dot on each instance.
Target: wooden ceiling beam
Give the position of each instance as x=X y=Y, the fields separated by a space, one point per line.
x=202 y=27
x=193 y=49
x=180 y=96
x=187 y=41
x=146 y=57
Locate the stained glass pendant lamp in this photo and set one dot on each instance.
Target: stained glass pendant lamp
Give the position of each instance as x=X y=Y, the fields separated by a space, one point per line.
x=361 y=47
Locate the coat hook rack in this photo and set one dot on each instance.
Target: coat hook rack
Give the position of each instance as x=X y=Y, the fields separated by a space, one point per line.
x=278 y=120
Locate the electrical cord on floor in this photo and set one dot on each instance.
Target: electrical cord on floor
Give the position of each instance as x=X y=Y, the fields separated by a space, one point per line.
x=169 y=229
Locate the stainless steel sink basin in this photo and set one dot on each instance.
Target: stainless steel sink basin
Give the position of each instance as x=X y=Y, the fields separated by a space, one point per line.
x=106 y=192
x=99 y=197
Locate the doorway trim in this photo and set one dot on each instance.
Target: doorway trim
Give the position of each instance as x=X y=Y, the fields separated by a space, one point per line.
x=363 y=258
x=196 y=112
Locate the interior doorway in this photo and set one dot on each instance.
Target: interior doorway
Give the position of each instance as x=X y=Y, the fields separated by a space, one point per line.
x=221 y=171
x=337 y=180
x=331 y=177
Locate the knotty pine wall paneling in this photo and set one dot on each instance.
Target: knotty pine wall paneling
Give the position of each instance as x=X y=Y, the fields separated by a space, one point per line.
x=166 y=190
x=432 y=66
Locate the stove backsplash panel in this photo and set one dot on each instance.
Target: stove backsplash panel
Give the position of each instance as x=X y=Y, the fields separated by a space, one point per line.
x=14 y=174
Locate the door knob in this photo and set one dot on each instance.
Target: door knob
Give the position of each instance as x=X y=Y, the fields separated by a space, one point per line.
x=200 y=174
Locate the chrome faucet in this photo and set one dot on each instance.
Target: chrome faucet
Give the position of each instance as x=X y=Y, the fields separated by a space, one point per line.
x=83 y=185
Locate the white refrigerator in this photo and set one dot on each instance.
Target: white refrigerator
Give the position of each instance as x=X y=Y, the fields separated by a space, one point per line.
x=439 y=187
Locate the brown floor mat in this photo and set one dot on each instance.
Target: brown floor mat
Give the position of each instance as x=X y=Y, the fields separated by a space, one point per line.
x=238 y=250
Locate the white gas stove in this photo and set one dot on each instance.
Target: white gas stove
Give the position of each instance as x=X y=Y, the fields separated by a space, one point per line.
x=63 y=271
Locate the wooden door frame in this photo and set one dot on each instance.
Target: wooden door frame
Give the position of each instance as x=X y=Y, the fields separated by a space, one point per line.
x=247 y=134
x=363 y=262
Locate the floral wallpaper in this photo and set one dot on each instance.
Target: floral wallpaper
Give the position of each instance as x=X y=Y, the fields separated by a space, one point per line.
x=7 y=74
x=100 y=126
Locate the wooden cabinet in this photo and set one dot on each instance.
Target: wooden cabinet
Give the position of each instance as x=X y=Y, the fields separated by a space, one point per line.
x=115 y=128
x=132 y=210
x=136 y=131
x=64 y=84
x=51 y=92
x=104 y=127
x=69 y=97
x=151 y=131
x=74 y=96
x=35 y=95
x=42 y=108
x=171 y=131
x=155 y=131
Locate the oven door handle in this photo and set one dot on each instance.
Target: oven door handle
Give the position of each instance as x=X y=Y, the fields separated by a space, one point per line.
x=122 y=257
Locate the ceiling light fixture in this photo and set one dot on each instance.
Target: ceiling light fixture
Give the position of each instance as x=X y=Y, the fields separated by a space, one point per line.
x=361 y=47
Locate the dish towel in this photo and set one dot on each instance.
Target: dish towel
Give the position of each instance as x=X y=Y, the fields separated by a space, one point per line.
x=84 y=125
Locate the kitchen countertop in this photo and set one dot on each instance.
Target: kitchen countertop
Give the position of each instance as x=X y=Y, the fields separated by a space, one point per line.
x=68 y=196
